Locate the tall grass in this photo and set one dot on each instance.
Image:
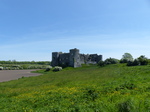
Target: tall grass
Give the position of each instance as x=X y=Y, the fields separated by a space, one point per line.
x=114 y=88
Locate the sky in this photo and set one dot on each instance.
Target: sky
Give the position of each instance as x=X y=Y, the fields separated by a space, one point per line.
x=30 y=30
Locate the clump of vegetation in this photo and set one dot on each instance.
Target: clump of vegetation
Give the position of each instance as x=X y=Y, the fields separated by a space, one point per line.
x=142 y=60
x=108 y=61
x=57 y=68
x=126 y=58
x=101 y=63
x=48 y=68
x=1 y=68
x=111 y=61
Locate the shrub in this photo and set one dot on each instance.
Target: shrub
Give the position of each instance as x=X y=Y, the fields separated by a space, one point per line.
x=108 y=61
x=15 y=66
x=111 y=61
x=133 y=63
x=48 y=68
x=36 y=67
x=7 y=68
x=57 y=68
x=142 y=60
x=101 y=63
x=1 y=68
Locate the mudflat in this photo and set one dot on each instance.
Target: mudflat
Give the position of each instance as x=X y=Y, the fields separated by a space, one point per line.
x=7 y=75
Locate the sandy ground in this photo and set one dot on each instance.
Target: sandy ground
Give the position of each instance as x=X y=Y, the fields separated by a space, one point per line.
x=7 y=75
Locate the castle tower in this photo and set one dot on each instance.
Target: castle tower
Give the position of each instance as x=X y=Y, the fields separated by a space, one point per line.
x=99 y=58
x=55 y=59
x=74 y=58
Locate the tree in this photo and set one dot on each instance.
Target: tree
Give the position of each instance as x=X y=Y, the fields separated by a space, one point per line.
x=126 y=57
x=143 y=60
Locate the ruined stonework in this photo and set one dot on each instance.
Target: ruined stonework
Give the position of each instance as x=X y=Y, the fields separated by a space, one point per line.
x=74 y=58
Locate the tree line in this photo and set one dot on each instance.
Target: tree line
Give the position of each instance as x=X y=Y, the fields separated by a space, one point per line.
x=128 y=59
x=25 y=62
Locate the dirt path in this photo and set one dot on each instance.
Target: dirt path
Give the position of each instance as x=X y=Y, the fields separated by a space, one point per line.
x=7 y=75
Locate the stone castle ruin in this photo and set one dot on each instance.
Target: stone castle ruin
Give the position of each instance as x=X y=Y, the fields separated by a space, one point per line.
x=74 y=58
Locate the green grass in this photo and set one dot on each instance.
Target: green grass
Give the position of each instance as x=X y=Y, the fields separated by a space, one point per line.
x=114 y=88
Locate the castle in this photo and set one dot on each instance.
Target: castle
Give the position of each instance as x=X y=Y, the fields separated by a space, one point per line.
x=74 y=58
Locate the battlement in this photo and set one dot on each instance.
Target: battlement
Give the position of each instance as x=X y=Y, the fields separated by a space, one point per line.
x=74 y=58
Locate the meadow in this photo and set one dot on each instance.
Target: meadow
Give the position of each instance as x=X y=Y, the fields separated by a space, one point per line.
x=113 y=88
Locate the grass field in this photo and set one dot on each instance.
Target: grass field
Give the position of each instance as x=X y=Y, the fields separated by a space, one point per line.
x=113 y=88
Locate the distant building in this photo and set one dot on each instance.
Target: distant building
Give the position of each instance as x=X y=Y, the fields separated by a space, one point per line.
x=74 y=58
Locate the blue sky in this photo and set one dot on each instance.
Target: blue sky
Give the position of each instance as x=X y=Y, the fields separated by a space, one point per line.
x=33 y=29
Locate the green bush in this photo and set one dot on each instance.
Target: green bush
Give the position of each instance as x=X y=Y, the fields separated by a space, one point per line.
x=48 y=68
x=111 y=61
x=101 y=63
x=1 y=68
x=142 y=60
x=57 y=68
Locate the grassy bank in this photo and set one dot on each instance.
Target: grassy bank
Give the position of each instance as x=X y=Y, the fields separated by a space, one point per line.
x=114 y=88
